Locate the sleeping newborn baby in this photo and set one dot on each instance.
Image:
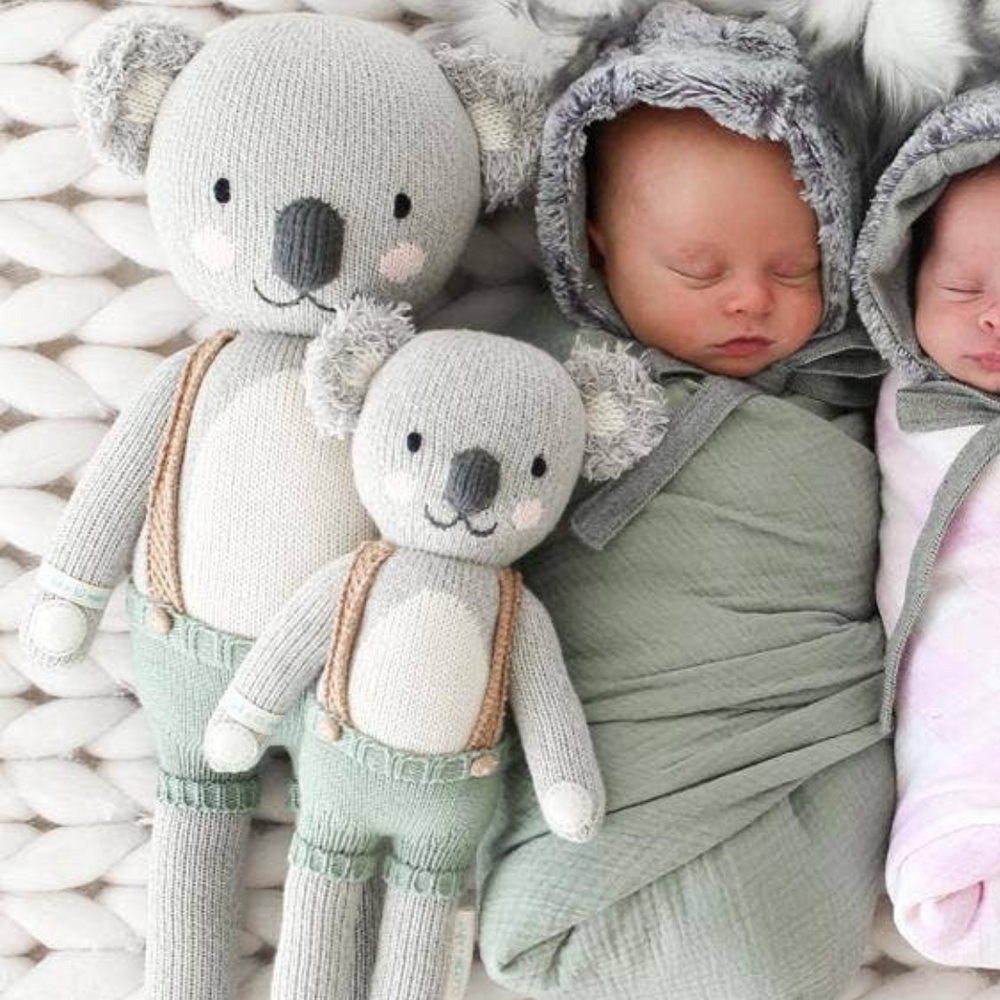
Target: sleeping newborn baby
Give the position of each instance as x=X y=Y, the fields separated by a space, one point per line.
x=716 y=603
x=928 y=281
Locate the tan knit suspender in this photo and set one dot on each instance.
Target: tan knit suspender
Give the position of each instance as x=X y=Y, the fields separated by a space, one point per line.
x=162 y=564
x=368 y=560
x=489 y=725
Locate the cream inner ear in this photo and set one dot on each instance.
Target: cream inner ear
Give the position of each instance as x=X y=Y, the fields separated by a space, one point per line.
x=144 y=94
x=493 y=126
x=606 y=416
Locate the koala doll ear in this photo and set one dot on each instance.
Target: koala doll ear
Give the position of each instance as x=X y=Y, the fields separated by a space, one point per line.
x=120 y=86
x=507 y=105
x=341 y=362
x=626 y=410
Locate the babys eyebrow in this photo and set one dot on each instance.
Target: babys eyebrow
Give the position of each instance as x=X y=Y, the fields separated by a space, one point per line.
x=704 y=258
x=952 y=273
x=698 y=251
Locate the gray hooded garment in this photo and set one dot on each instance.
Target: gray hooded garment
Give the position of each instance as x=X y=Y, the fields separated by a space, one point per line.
x=938 y=442
x=959 y=137
x=716 y=611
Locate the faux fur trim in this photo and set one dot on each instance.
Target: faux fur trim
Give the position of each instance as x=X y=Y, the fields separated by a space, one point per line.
x=341 y=362
x=747 y=76
x=626 y=412
x=965 y=128
x=507 y=106
x=121 y=84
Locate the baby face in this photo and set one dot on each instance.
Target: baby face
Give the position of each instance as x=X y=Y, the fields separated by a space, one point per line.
x=704 y=241
x=957 y=316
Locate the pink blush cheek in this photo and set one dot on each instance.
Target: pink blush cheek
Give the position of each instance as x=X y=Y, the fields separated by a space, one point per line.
x=212 y=248
x=399 y=487
x=527 y=514
x=402 y=263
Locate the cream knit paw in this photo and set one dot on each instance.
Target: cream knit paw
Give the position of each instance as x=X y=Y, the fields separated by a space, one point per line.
x=55 y=632
x=58 y=627
x=231 y=747
x=570 y=811
x=238 y=733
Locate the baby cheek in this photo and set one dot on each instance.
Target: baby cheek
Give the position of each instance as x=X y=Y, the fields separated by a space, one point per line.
x=527 y=515
x=400 y=487
x=214 y=249
x=402 y=262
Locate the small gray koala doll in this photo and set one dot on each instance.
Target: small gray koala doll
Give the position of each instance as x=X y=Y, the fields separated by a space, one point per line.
x=296 y=165
x=466 y=448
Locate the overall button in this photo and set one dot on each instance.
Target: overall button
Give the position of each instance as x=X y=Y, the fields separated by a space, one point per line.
x=483 y=767
x=329 y=730
x=159 y=619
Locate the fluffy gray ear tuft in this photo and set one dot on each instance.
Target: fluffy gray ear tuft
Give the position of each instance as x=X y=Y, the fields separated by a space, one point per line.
x=120 y=87
x=507 y=105
x=626 y=410
x=341 y=362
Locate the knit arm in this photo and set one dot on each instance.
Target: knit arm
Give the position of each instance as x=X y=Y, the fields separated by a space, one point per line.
x=101 y=524
x=553 y=728
x=288 y=654
x=98 y=531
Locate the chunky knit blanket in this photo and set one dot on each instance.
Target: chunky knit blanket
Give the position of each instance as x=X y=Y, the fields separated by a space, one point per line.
x=86 y=311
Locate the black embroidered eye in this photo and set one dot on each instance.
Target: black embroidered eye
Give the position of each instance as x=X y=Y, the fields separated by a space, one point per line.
x=414 y=441
x=221 y=190
x=539 y=467
x=402 y=207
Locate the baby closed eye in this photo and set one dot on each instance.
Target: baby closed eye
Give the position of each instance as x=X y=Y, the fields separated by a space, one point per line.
x=703 y=279
x=960 y=291
x=698 y=277
x=796 y=275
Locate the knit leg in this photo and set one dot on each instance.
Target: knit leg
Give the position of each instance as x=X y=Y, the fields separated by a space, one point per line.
x=412 y=947
x=315 y=958
x=366 y=936
x=193 y=905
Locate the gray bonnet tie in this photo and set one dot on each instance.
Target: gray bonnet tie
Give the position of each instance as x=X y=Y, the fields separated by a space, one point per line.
x=931 y=406
x=841 y=369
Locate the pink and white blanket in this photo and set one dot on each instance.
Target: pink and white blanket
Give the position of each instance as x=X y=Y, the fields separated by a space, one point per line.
x=943 y=868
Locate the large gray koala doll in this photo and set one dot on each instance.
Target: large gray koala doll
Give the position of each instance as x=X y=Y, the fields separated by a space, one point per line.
x=466 y=449
x=297 y=166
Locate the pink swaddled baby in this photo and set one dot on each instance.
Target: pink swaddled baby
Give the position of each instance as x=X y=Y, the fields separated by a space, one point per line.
x=928 y=284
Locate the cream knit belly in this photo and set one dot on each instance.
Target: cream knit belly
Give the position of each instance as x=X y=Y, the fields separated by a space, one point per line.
x=264 y=503
x=419 y=674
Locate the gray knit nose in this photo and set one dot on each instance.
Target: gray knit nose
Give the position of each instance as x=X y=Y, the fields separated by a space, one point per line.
x=473 y=481
x=308 y=242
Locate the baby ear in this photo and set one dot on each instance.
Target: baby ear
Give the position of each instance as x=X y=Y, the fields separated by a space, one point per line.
x=121 y=85
x=626 y=410
x=342 y=361
x=507 y=105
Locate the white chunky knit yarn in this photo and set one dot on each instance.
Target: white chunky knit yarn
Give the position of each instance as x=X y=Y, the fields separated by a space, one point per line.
x=85 y=314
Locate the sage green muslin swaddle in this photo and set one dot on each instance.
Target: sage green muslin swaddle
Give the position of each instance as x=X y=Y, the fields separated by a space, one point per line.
x=715 y=606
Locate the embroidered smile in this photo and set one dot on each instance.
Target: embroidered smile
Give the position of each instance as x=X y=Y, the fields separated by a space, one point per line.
x=296 y=301
x=459 y=517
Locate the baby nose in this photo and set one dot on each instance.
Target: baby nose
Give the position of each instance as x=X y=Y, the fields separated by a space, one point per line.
x=989 y=319
x=750 y=295
x=308 y=242
x=473 y=481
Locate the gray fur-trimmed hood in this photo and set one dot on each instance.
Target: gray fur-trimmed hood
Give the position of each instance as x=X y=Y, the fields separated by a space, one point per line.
x=748 y=75
x=960 y=136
